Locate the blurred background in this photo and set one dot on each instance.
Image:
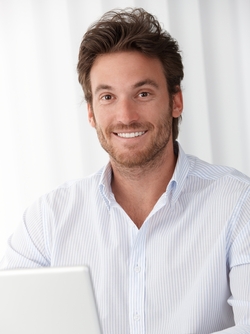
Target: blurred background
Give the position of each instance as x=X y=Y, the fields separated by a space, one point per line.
x=45 y=137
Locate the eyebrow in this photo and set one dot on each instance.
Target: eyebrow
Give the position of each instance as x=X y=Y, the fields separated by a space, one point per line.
x=137 y=85
x=146 y=82
x=102 y=87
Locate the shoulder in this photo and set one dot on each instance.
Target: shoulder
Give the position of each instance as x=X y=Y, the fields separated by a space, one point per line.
x=204 y=170
x=218 y=182
x=75 y=189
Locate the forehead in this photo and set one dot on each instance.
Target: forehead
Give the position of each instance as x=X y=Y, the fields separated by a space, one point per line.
x=124 y=68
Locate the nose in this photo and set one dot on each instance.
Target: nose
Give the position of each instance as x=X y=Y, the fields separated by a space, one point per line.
x=127 y=111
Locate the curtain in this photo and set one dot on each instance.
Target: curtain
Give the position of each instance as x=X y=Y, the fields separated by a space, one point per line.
x=45 y=138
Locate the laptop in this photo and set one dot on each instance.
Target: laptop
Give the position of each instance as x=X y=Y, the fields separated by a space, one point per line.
x=48 y=300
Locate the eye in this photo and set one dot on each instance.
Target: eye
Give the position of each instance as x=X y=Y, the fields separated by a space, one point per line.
x=106 y=97
x=144 y=94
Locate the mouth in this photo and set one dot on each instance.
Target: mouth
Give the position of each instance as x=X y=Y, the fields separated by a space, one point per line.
x=130 y=134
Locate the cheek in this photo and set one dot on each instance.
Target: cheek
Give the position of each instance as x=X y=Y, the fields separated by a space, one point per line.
x=102 y=118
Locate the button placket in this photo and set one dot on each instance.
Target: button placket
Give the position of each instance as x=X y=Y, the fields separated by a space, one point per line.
x=137 y=283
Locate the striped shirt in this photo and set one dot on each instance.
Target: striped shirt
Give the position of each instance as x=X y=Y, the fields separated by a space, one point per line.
x=186 y=270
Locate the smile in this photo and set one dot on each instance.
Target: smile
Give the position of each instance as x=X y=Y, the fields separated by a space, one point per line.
x=130 y=134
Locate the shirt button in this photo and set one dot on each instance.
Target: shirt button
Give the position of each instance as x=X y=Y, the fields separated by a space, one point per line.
x=137 y=268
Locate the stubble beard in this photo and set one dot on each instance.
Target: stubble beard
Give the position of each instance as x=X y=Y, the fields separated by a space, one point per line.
x=149 y=156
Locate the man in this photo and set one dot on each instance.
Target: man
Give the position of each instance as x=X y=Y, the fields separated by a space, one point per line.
x=166 y=235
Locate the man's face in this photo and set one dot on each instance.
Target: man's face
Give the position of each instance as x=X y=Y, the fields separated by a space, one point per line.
x=131 y=109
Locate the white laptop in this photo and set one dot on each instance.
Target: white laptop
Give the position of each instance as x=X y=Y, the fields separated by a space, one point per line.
x=48 y=300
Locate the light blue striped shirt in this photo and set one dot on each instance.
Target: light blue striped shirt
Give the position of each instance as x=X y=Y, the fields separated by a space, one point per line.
x=186 y=270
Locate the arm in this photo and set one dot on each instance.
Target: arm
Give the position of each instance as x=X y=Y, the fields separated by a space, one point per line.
x=239 y=276
x=240 y=300
x=238 y=260
x=26 y=247
x=244 y=329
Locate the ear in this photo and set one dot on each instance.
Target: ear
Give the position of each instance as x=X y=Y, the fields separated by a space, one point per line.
x=177 y=104
x=91 y=115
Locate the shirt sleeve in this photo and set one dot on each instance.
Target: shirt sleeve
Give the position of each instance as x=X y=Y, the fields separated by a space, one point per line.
x=26 y=248
x=240 y=300
x=241 y=329
x=239 y=265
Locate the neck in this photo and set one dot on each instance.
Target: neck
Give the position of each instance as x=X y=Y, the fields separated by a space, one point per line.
x=142 y=186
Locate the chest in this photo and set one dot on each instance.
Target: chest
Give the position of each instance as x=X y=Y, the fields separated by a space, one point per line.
x=145 y=277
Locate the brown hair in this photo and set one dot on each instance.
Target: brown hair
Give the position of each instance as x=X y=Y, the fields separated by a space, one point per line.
x=131 y=29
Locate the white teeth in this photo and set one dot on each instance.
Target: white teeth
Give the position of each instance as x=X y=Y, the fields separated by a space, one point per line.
x=131 y=134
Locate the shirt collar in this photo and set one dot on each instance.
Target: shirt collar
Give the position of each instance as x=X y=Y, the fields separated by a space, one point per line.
x=180 y=174
x=174 y=187
x=105 y=185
